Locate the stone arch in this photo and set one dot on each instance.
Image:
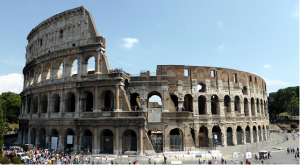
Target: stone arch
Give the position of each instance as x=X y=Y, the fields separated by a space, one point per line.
x=58 y=69
x=248 y=134
x=215 y=108
x=227 y=103
x=33 y=136
x=106 y=141
x=245 y=90
x=265 y=108
x=201 y=87
x=252 y=106
x=202 y=105
x=70 y=102
x=55 y=103
x=257 y=105
x=237 y=104
x=174 y=98
x=89 y=64
x=254 y=134
x=264 y=133
x=188 y=103
x=38 y=74
x=44 y=104
x=239 y=135
x=87 y=140
x=42 y=133
x=203 y=137
x=217 y=134
x=47 y=71
x=135 y=101
x=89 y=101
x=69 y=138
x=246 y=107
x=107 y=100
x=261 y=107
x=176 y=139
x=259 y=133
x=70 y=66
x=129 y=142
x=54 y=134
x=29 y=105
x=229 y=136
x=35 y=105
x=152 y=94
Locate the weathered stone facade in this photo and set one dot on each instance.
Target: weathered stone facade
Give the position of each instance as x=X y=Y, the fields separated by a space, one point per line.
x=95 y=107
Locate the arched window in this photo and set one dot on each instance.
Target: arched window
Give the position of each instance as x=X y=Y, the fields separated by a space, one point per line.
x=227 y=103
x=89 y=102
x=202 y=105
x=188 y=103
x=214 y=104
x=154 y=100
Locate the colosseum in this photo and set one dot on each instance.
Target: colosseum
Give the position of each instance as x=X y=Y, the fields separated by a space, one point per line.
x=108 y=110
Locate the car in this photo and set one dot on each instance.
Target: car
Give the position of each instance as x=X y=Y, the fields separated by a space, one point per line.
x=23 y=156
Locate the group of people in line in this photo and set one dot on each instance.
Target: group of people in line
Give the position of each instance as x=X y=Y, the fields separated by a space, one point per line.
x=117 y=70
x=136 y=108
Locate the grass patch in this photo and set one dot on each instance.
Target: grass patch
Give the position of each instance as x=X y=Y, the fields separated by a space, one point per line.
x=14 y=125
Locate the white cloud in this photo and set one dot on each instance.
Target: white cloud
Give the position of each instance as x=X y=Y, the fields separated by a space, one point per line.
x=222 y=48
x=129 y=42
x=267 y=66
x=276 y=82
x=12 y=82
x=220 y=24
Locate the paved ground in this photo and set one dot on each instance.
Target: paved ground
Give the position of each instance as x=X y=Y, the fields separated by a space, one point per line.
x=276 y=146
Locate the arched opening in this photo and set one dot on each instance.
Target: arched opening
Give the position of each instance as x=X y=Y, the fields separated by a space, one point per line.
x=268 y=131
x=261 y=107
x=107 y=141
x=246 y=107
x=58 y=69
x=25 y=135
x=257 y=106
x=265 y=108
x=135 y=101
x=56 y=103
x=69 y=140
x=264 y=133
x=89 y=102
x=54 y=139
x=229 y=137
x=39 y=74
x=188 y=103
x=70 y=102
x=214 y=104
x=31 y=75
x=126 y=85
x=237 y=105
x=254 y=134
x=29 y=105
x=129 y=142
x=247 y=134
x=174 y=98
x=245 y=90
x=90 y=65
x=259 y=133
x=87 y=141
x=72 y=67
x=154 y=100
x=201 y=87
x=33 y=136
x=35 y=105
x=109 y=101
x=156 y=138
x=227 y=103
x=203 y=137
x=252 y=107
x=47 y=71
x=202 y=105
x=239 y=135
x=217 y=135
x=42 y=138
x=44 y=104
x=176 y=140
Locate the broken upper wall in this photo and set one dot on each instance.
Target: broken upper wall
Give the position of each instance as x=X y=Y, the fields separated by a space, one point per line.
x=203 y=73
x=68 y=29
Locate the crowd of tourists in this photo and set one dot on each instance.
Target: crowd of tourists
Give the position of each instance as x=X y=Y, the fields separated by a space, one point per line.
x=117 y=70
x=136 y=108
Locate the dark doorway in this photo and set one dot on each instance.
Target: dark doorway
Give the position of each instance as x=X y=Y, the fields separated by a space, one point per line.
x=229 y=137
x=176 y=140
x=107 y=142
x=129 y=142
x=89 y=102
x=201 y=105
x=87 y=141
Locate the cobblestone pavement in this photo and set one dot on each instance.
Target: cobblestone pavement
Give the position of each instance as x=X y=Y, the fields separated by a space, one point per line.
x=275 y=145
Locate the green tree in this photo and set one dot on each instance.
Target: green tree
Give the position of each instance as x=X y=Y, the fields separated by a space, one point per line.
x=288 y=100
x=11 y=103
x=1 y=130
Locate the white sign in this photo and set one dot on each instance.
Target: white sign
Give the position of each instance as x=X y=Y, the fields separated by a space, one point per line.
x=248 y=155
x=69 y=139
x=235 y=155
x=216 y=137
x=54 y=141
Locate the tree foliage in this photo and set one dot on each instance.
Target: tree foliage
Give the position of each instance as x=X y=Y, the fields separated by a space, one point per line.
x=11 y=103
x=1 y=130
x=284 y=100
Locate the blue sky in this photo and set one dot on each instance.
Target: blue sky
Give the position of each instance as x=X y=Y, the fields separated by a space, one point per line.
x=260 y=37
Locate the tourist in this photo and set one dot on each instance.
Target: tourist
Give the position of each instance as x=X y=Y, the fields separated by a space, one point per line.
x=236 y=162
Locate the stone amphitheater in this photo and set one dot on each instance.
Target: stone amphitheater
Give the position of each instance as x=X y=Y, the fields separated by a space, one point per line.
x=108 y=111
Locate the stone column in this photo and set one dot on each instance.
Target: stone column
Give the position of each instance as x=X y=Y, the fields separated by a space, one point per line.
x=180 y=103
x=251 y=134
x=62 y=101
x=49 y=104
x=61 y=144
x=232 y=106
x=244 y=135
x=97 y=63
x=29 y=135
x=80 y=65
x=196 y=131
x=257 y=135
x=26 y=105
x=96 y=101
x=64 y=68
x=117 y=146
x=221 y=106
x=208 y=107
x=141 y=139
x=223 y=132
x=234 y=139
x=95 y=136
x=117 y=97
